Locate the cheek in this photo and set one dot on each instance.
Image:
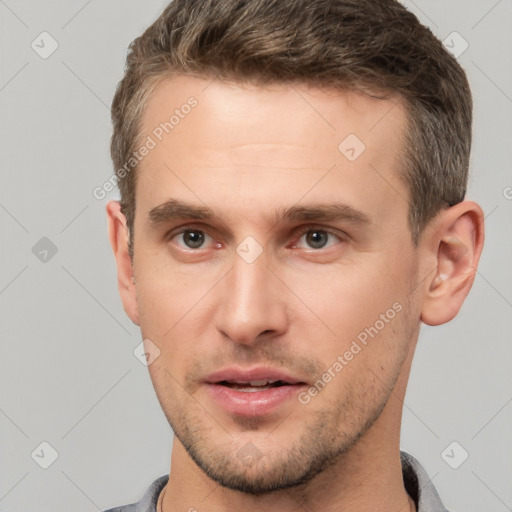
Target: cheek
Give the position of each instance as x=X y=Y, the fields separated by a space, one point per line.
x=175 y=309
x=361 y=306
x=167 y=297
x=349 y=297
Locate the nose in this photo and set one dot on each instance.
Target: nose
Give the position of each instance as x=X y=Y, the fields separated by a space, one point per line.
x=251 y=302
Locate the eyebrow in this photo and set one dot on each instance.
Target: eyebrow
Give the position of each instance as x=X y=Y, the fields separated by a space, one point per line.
x=176 y=210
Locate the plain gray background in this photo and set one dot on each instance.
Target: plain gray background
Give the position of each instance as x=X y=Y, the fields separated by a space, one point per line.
x=68 y=374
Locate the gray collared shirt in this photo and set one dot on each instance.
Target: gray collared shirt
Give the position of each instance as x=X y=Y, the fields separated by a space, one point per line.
x=416 y=481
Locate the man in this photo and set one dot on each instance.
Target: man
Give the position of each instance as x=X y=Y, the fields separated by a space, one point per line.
x=292 y=178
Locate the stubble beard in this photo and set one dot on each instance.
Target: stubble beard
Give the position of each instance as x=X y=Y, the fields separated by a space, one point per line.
x=326 y=438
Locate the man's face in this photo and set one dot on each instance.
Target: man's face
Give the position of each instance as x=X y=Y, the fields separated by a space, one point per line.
x=269 y=281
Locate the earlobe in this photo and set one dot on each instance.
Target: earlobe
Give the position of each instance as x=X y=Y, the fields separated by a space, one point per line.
x=119 y=238
x=458 y=244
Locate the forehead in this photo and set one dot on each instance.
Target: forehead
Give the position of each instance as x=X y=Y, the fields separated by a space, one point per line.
x=231 y=104
x=264 y=140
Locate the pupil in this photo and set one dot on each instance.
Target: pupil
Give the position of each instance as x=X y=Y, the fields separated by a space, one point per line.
x=193 y=239
x=317 y=239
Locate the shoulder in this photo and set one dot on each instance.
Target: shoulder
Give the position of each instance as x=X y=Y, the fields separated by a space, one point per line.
x=419 y=485
x=148 y=501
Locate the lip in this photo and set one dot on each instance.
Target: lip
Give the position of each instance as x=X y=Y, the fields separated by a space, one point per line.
x=257 y=373
x=252 y=403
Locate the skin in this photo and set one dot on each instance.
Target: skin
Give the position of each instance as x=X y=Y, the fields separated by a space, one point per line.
x=248 y=153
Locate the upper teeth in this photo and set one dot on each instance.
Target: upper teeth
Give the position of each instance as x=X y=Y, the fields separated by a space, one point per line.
x=254 y=382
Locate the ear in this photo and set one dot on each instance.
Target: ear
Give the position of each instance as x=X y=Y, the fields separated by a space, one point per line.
x=119 y=236
x=457 y=243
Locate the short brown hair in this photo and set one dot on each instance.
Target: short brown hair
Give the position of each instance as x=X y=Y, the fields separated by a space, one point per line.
x=366 y=45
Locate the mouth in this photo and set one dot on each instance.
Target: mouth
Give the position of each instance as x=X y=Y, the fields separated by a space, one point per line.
x=254 y=386
x=252 y=393
x=253 y=378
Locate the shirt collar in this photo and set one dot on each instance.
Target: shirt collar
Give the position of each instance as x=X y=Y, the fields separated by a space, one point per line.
x=419 y=486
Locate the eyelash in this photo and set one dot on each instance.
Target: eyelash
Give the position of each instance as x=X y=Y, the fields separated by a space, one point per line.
x=299 y=234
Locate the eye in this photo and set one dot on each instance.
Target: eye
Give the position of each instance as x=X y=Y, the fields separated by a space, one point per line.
x=191 y=238
x=317 y=239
